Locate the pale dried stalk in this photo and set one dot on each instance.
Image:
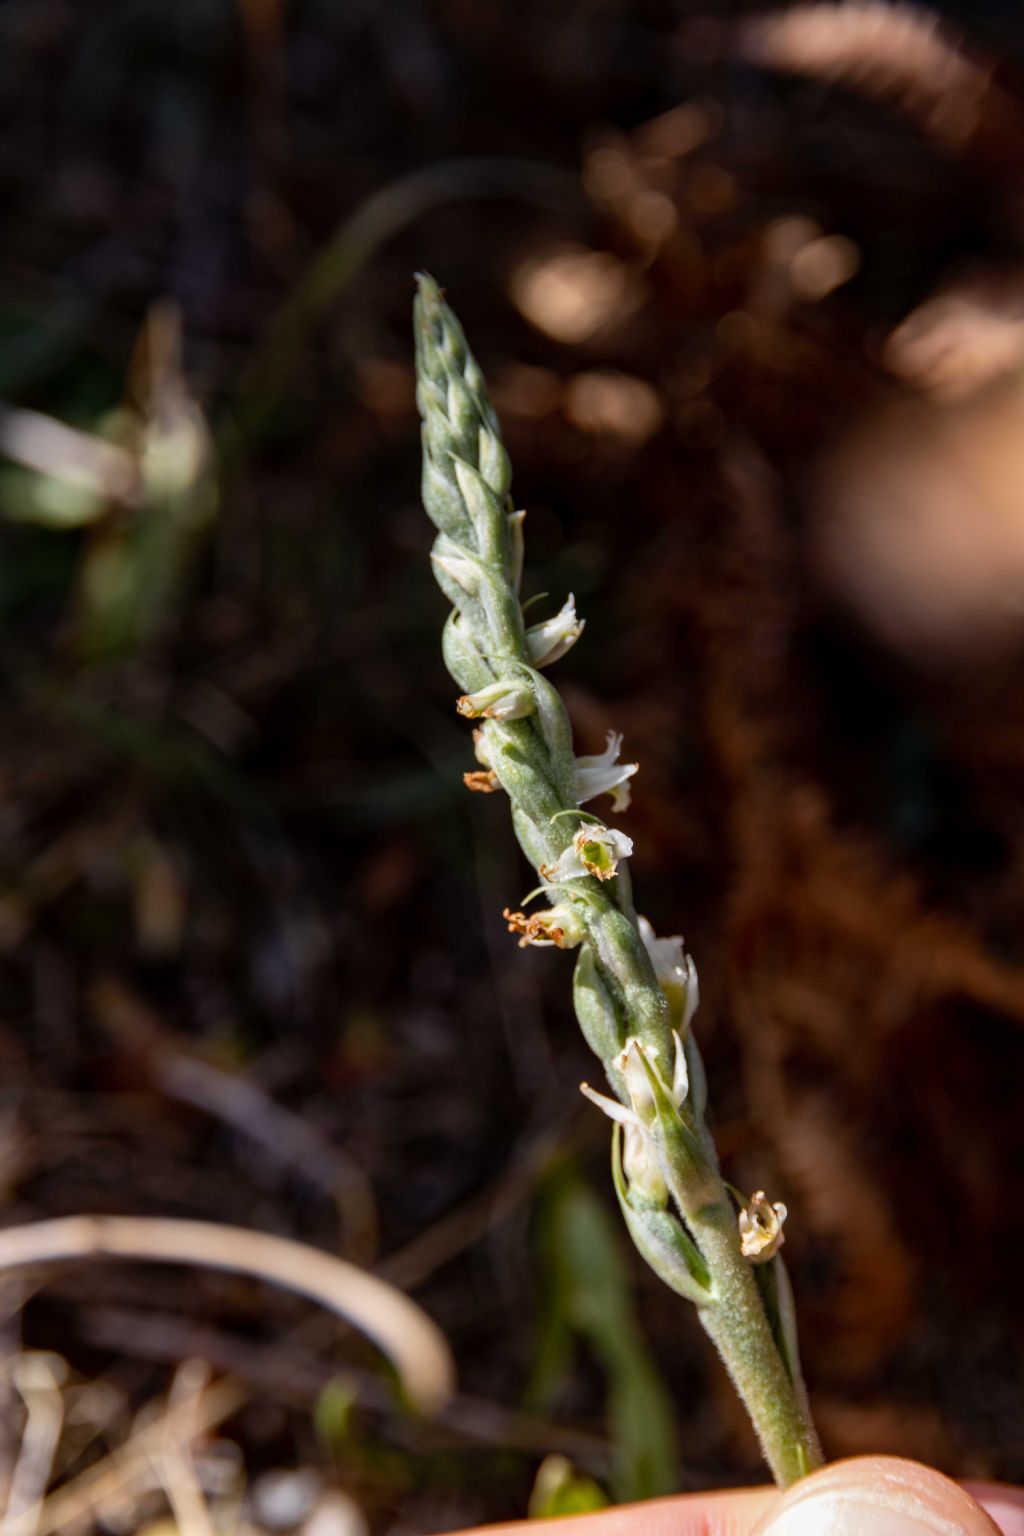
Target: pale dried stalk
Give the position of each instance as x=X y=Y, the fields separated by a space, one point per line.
x=396 y=1325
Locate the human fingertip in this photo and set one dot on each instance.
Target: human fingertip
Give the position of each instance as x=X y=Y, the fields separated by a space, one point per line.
x=1004 y=1503
x=877 y=1496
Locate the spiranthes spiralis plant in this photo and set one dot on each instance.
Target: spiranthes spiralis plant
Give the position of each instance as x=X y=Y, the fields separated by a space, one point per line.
x=635 y=994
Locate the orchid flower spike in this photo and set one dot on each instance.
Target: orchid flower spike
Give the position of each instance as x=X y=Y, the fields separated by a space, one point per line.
x=549 y=641
x=761 y=1234
x=676 y=974
x=595 y=850
x=603 y=774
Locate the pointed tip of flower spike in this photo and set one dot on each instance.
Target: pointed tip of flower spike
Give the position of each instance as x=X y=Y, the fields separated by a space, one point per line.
x=760 y=1224
x=428 y=288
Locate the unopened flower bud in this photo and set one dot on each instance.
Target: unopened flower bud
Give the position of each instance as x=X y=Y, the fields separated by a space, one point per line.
x=761 y=1234
x=498 y=701
x=448 y=557
x=549 y=641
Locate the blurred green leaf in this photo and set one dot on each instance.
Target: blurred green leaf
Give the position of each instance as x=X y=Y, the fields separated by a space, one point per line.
x=586 y=1296
x=560 y=1490
x=333 y=1413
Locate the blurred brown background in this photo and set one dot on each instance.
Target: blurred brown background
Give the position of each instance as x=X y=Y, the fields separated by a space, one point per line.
x=748 y=285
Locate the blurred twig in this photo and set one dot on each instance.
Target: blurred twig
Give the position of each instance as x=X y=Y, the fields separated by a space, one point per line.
x=414 y=1344
x=357 y=240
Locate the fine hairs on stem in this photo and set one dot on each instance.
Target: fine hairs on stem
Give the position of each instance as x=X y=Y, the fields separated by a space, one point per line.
x=634 y=993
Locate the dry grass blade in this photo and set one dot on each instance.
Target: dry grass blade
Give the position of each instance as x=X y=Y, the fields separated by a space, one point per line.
x=131 y=1465
x=396 y=1325
x=38 y=1380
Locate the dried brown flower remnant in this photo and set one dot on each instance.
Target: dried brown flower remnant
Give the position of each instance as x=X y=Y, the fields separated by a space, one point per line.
x=761 y=1234
x=557 y=926
x=484 y=781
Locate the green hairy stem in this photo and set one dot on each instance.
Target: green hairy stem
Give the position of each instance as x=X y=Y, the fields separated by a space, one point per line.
x=634 y=1014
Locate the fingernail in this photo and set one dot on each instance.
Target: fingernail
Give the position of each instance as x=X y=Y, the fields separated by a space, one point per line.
x=877 y=1496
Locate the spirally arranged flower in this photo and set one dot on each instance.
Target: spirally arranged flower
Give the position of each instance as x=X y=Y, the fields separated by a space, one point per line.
x=595 y=850
x=498 y=701
x=603 y=774
x=640 y=1155
x=549 y=641
x=676 y=973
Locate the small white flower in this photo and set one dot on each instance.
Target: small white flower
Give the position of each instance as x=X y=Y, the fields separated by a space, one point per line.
x=675 y=971
x=761 y=1234
x=498 y=701
x=559 y=925
x=603 y=774
x=548 y=641
x=640 y=1155
x=595 y=850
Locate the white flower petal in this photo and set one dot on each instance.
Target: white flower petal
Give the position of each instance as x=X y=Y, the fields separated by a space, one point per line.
x=611 y=1107
x=603 y=774
x=549 y=641
x=600 y=849
x=630 y=1063
x=675 y=972
x=568 y=866
x=680 y=1075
